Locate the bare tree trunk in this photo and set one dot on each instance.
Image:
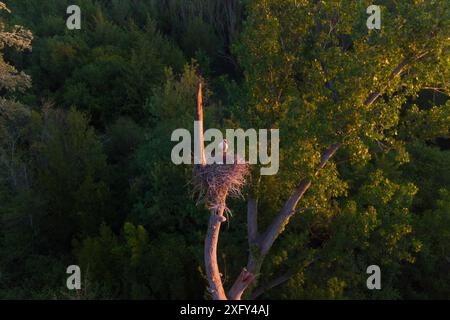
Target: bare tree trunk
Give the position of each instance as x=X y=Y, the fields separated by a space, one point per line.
x=212 y=236
x=212 y=267
x=252 y=220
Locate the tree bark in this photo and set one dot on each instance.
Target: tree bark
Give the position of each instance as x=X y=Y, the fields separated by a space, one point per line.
x=397 y=72
x=288 y=209
x=199 y=118
x=212 y=267
x=252 y=220
x=212 y=235
x=242 y=282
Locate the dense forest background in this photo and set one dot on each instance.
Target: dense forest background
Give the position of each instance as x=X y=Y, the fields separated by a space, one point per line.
x=85 y=170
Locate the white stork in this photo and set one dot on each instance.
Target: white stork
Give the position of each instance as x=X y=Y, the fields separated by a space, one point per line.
x=224 y=146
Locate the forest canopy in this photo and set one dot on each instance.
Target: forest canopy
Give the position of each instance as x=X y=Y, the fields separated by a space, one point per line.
x=86 y=118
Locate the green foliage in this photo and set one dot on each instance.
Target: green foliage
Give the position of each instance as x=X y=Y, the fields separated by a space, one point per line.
x=121 y=267
x=52 y=190
x=432 y=228
x=313 y=70
x=20 y=39
x=107 y=69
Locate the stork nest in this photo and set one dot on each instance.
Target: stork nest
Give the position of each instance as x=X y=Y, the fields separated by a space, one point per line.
x=213 y=183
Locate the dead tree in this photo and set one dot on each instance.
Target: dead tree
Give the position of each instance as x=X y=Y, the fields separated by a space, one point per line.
x=214 y=183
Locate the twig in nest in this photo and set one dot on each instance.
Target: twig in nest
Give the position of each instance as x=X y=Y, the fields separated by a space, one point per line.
x=215 y=182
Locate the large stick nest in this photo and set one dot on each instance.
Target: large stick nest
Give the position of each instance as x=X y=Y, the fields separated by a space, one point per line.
x=213 y=183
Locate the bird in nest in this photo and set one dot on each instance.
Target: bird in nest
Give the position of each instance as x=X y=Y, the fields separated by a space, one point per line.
x=223 y=145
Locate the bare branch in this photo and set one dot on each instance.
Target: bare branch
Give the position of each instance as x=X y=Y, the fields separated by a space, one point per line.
x=199 y=118
x=212 y=267
x=288 y=209
x=326 y=156
x=242 y=282
x=212 y=236
x=398 y=71
x=440 y=90
x=249 y=274
x=252 y=220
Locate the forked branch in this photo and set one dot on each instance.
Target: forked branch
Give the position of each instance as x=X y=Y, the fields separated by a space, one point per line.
x=266 y=241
